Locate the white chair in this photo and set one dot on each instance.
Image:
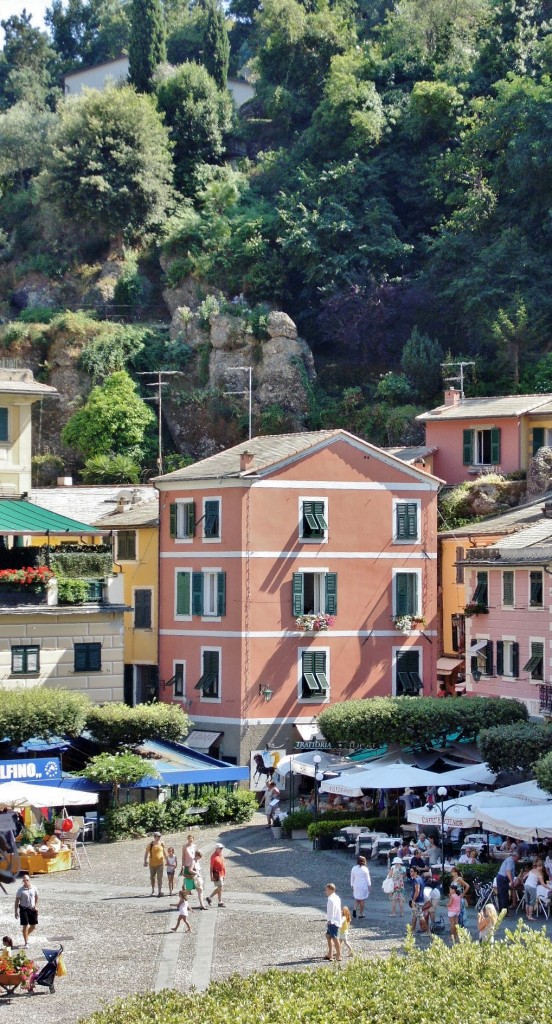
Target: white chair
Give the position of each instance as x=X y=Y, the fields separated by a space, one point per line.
x=75 y=842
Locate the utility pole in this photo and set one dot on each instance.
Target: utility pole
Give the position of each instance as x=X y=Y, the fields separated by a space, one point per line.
x=159 y=384
x=457 y=368
x=248 y=391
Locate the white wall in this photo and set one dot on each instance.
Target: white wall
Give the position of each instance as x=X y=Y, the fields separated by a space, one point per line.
x=117 y=71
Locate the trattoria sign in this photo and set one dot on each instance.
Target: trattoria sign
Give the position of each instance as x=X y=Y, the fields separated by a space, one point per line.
x=31 y=769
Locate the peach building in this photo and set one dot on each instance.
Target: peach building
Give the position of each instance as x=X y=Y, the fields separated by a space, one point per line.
x=258 y=542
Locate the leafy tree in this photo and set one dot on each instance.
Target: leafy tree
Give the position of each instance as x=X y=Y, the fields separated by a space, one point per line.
x=514 y=747
x=109 y=166
x=88 y=32
x=420 y=720
x=350 y=119
x=510 y=331
x=216 y=45
x=393 y=388
x=114 y=419
x=28 y=69
x=41 y=713
x=115 y=724
x=543 y=772
x=199 y=116
x=23 y=134
x=421 y=362
x=110 y=469
x=124 y=769
x=147 y=46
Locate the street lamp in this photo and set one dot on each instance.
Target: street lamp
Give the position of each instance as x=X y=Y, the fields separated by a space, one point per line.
x=318 y=776
x=443 y=811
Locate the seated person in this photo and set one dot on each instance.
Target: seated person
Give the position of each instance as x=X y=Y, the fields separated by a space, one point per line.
x=495 y=839
x=465 y=857
x=473 y=857
x=508 y=846
x=418 y=862
x=422 y=843
x=433 y=853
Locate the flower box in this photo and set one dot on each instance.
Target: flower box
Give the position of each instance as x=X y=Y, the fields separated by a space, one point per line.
x=475 y=608
x=406 y=623
x=11 y=596
x=315 y=623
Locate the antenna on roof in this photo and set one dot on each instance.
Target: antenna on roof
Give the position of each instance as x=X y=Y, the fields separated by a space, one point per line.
x=458 y=375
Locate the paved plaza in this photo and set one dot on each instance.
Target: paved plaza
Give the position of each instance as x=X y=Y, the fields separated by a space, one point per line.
x=117 y=937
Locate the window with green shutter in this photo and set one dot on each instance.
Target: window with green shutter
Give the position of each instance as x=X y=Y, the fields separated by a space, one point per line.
x=211 y=523
x=406 y=520
x=535 y=589
x=406 y=593
x=488 y=655
x=407 y=677
x=508 y=588
x=182 y=519
x=197 y=593
x=314 y=680
x=209 y=681
x=25 y=659
x=314 y=524
x=481 y=593
x=460 y=559
x=184 y=593
x=467 y=447
x=500 y=657
x=88 y=657
x=535 y=665
x=538 y=439
x=179 y=679
x=4 y=424
x=126 y=545
x=313 y=593
x=331 y=593
x=142 y=609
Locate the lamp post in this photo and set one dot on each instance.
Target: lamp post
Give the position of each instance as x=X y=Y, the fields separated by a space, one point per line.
x=316 y=762
x=443 y=811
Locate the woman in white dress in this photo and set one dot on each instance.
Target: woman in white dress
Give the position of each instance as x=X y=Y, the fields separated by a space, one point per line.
x=360 y=884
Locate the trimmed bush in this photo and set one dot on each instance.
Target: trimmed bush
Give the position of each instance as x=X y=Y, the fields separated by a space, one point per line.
x=116 y=724
x=515 y=747
x=543 y=772
x=329 y=828
x=42 y=713
x=237 y=806
x=464 y=984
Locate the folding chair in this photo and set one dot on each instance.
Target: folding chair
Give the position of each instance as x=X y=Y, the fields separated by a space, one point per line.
x=543 y=904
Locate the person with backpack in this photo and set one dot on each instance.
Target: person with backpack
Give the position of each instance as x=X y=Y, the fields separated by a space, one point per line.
x=155 y=857
x=418 y=900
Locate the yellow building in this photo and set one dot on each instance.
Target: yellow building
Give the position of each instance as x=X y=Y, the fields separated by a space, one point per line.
x=18 y=391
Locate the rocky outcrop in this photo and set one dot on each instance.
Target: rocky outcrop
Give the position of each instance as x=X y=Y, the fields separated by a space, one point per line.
x=487 y=499
x=35 y=291
x=539 y=474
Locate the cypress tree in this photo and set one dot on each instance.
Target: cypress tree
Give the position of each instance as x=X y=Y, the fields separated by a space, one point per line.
x=147 y=46
x=216 y=47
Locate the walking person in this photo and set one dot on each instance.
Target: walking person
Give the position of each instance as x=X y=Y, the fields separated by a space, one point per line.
x=271 y=802
x=333 y=923
x=505 y=880
x=26 y=907
x=198 y=878
x=171 y=863
x=188 y=853
x=417 y=901
x=361 y=883
x=344 y=930
x=397 y=874
x=155 y=856
x=533 y=878
x=183 y=910
x=218 y=874
x=454 y=906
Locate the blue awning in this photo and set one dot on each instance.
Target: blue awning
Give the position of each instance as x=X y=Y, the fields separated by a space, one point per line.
x=178 y=765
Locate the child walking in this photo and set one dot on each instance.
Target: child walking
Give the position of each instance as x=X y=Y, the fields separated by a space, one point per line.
x=171 y=864
x=183 y=908
x=344 y=930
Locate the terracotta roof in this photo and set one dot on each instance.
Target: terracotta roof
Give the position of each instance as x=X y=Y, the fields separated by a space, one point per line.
x=489 y=408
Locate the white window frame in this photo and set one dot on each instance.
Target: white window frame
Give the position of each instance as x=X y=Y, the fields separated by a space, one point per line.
x=310 y=650
x=210 y=572
x=210 y=700
x=178 y=617
x=407 y=540
x=418 y=572
x=320 y=586
x=182 y=696
x=134 y=626
x=212 y=540
x=537 y=640
x=312 y=540
x=535 y=607
x=476 y=445
x=394 y=658
x=510 y=641
x=513 y=604
x=180 y=516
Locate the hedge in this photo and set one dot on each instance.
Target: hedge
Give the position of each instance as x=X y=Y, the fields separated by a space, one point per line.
x=515 y=747
x=467 y=983
x=473 y=872
x=41 y=712
x=237 y=806
x=116 y=724
x=414 y=720
x=326 y=828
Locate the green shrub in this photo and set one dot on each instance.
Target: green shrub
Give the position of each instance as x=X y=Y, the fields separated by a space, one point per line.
x=467 y=983
x=208 y=308
x=515 y=747
x=296 y=819
x=77 y=564
x=543 y=772
x=328 y=828
x=111 y=469
x=42 y=713
x=72 y=591
x=38 y=315
x=237 y=806
x=115 y=724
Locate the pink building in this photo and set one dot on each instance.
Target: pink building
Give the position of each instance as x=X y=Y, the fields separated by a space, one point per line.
x=509 y=647
x=471 y=436
x=254 y=539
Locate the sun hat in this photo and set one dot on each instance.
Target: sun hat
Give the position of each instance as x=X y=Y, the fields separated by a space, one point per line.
x=219 y=846
x=156 y=834
x=398 y=860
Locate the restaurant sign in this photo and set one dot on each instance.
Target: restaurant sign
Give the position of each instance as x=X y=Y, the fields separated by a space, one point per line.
x=312 y=745
x=31 y=769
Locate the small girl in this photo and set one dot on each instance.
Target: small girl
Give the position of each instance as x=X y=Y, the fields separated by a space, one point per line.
x=171 y=863
x=454 y=907
x=344 y=930
x=183 y=909
x=486 y=923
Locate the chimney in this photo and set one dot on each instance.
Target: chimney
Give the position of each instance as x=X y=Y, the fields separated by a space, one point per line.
x=246 y=458
x=452 y=397
x=65 y=481
x=547 y=510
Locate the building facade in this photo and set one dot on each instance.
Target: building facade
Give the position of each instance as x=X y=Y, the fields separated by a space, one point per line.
x=295 y=571
x=18 y=392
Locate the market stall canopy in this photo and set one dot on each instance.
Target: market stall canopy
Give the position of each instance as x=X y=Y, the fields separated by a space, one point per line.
x=303 y=764
x=527 y=822
x=390 y=776
x=527 y=792
x=22 y=517
x=25 y=794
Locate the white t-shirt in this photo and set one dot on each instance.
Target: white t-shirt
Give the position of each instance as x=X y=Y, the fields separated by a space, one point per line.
x=333 y=910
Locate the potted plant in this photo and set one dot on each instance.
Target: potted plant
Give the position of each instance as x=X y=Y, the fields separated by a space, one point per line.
x=475 y=608
x=276 y=827
x=28 y=585
x=315 y=622
x=406 y=623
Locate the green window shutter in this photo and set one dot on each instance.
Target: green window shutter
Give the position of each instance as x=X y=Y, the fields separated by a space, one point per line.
x=467 y=447
x=321 y=524
x=481 y=595
x=500 y=657
x=412 y=520
x=535 y=589
x=81 y=659
x=183 y=593
x=212 y=519
x=331 y=593
x=459 y=568
x=172 y=520
x=221 y=593
x=508 y=587
x=310 y=682
x=297 y=597
x=190 y=519
x=95 y=657
x=142 y=609
x=495 y=446
x=537 y=440
x=401 y=594
x=489 y=658
x=515 y=659
x=4 y=425
x=320 y=670
x=197 y=593
x=401 y=529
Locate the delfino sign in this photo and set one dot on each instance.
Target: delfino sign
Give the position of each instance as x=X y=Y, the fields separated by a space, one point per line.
x=31 y=769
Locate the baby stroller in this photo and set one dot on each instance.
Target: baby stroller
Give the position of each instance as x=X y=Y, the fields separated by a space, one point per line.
x=47 y=975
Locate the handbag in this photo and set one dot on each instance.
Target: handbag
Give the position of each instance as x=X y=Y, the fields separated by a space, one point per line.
x=438 y=926
x=388 y=886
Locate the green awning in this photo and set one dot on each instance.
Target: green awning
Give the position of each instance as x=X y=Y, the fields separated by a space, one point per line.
x=22 y=517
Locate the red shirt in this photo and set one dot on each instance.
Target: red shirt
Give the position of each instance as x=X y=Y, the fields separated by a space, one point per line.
x=217 y=863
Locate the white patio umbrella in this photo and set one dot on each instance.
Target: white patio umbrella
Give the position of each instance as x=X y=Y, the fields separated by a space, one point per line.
x=526 y=822
x=462 y=812
x=303 y=764
x=475 y=774
x=528 y=792
x=390 y=776
x=24 y=794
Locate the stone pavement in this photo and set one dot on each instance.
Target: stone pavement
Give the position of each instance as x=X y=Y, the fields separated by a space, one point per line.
x=118 y=941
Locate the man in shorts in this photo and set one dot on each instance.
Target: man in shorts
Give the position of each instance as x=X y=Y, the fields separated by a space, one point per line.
x=26 y=907
x=155 y=854
x=333 y=922
x=218 y=874
x=418 y=900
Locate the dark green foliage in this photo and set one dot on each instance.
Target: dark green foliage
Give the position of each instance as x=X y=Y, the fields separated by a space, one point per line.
x=42 y=713
x=114 y=419
x=421 y=362
x=174 y=815
x=73 y=591
x=88 y=32
x=147 y=44
x=325 y=827
x=418 y=721
x=111 y=469
x=115 y=725
x=543 y=772
x=471 y=873
x=216 y=52
x=515 y=747
x=121 y=769
x=77 y=564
